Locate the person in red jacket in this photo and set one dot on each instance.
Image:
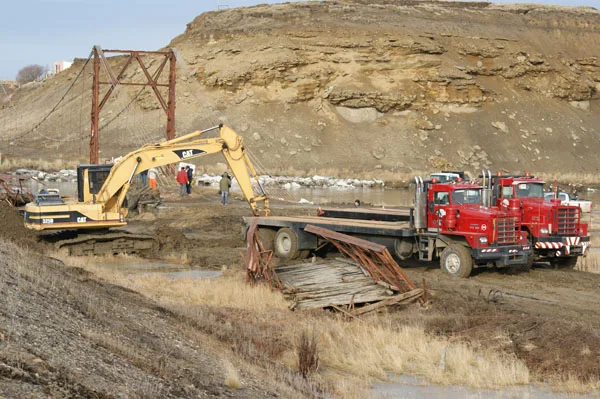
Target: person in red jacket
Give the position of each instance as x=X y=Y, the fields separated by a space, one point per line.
x=182 y=179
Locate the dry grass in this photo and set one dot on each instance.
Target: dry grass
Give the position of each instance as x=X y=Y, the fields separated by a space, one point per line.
x=587 y=179
x=308 y=353
x=232 y=378
x=360 y=352
x=230 y=291
x=378 y=347
x=178 y=258
x=10 y=164
x=574 y=385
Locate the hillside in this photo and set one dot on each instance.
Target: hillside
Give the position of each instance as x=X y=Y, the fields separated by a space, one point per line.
x=351 y=87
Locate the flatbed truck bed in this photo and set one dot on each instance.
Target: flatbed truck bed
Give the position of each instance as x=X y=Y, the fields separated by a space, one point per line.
x=374 y=214
x=286 y=236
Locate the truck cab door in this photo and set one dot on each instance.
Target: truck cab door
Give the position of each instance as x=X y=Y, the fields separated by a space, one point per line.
x=437 y=210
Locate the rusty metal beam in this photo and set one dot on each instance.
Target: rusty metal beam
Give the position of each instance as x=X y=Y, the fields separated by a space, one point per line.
x=151 y=81
x=112 y=86
x=326 y=233
x=375 y=258
x=139 y=52
x=171 y=103
x=94 y=140
x=136 y=84
x=97 y=105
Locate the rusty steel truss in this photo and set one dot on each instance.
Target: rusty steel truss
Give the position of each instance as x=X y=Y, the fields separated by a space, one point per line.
x=375 y=258
x=153 y=81
x=258 y=260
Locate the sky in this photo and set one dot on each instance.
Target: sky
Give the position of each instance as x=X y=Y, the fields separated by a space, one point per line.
x=44 y=31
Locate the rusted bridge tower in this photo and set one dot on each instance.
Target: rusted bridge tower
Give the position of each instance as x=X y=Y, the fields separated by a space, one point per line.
x=168 y=106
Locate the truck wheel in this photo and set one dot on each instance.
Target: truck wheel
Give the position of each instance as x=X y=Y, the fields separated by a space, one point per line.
x=286 y=244
x=565 y=263
x=527 y=266
x=456 y=261
x=403 y=249
x=267 y=238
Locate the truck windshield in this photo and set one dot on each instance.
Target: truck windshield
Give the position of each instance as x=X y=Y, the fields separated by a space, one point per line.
x=471 y=196
x=530 y=190
x=444 y=177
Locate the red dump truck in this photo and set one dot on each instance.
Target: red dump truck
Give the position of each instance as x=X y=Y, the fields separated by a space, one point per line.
x=448 y=222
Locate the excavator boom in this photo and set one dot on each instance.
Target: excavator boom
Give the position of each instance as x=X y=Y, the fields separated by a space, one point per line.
x=101 y=201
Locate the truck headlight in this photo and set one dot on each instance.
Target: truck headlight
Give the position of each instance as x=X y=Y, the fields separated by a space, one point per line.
x=544 y=230
x=483 y=240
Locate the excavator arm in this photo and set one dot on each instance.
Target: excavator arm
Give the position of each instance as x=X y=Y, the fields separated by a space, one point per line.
x=115 y=188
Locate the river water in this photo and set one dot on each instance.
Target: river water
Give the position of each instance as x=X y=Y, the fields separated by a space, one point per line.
x=139 y=267
x=372 y=196
x=411 y=387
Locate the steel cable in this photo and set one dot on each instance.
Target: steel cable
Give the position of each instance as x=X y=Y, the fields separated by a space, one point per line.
x=52 y=110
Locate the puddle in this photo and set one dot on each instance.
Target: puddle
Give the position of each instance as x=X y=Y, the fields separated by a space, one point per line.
x=194 y=273
x=411 y=387
x=159 y=268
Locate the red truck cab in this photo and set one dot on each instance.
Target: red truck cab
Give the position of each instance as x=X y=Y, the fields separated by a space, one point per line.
x=555 y=231
x=460 y=224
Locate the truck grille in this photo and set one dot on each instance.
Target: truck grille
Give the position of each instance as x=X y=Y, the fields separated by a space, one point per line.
x=506 y=230
x=566 y=221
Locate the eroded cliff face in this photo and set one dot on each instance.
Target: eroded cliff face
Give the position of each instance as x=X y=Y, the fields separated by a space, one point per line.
x=354 y=86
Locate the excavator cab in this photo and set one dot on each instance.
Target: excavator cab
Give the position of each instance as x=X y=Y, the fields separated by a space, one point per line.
x=90 y=179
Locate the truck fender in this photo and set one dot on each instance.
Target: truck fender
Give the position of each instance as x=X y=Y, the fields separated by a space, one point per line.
x=443 y=241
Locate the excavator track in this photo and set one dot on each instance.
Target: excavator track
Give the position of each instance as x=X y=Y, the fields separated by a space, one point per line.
x=108 y=244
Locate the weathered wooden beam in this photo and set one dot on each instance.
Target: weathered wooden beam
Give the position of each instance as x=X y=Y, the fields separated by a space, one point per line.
x=396 y=300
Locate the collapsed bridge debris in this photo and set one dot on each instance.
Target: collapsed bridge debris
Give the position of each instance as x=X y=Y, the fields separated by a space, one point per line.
x=337 y=283
x=370 y=277
x=12 y=190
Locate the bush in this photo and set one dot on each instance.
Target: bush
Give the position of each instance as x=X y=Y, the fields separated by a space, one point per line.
x=308 y=354
x=30 y=73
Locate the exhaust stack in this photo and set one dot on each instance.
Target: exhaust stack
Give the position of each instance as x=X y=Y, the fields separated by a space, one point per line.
x=486 y=192
x=420 y=214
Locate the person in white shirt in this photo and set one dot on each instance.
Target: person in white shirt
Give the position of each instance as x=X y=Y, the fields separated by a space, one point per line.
x=152 y=175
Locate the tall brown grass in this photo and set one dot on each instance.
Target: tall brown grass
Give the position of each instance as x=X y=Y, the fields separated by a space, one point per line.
x=361 y=351
x=308 y=353
x=11 y=164
x=232 y=378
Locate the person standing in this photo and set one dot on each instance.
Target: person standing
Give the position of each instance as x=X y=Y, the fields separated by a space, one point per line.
x=224 y=186
x=144 y=176
x=182 y=179
x=152 y=175
x=190 y=175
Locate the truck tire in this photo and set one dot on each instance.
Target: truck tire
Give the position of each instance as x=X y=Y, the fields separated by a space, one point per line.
x=403 y=249
x=456 y=261
x=267 y=238
x=529 y=265
x=565 y=263
x=286 y=244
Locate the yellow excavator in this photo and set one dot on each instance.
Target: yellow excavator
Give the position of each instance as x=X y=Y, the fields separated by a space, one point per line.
x=102 y=191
